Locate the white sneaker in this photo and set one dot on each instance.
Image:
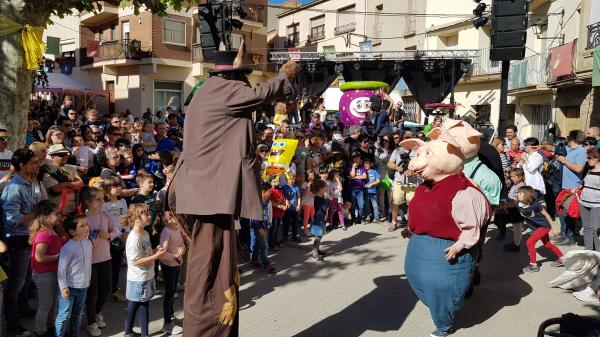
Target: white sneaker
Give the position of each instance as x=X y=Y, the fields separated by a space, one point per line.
x=587 y=295
x=93 y=330
x=100 y=321
x=172 y=329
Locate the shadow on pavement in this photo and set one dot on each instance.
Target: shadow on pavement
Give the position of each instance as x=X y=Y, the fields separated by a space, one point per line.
x=294 y=265
x=383 y=309
x=500 y=286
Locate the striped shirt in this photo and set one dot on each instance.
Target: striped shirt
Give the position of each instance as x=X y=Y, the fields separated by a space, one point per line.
x=590 y=194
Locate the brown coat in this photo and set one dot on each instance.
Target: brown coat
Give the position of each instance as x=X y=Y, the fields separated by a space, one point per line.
x=218 y=172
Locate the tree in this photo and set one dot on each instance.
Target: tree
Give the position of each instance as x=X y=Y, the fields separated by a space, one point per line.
x=15 y=79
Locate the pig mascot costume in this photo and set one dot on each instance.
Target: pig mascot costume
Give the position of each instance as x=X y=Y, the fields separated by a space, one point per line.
x=446 y=217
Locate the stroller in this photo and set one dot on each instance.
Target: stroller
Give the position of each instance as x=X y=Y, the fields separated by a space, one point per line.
x=571 y=325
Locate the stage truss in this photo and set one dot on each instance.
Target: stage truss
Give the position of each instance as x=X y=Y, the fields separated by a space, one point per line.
x=280 y=57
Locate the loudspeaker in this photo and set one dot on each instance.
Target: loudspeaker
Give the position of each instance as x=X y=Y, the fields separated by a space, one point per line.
x=508 y=39
x=507 y=53
x=510 y=8
x=509 y=23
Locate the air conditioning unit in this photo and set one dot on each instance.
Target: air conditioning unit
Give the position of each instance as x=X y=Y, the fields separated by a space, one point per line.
x=343 y=29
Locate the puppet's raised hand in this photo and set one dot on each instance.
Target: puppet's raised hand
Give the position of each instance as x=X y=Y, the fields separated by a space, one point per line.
x=229 y=308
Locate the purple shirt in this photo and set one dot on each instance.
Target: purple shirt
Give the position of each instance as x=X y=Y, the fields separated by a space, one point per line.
x=358 y=183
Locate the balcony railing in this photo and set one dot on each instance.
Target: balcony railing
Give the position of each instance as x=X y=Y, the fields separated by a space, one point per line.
x=346 y=28
x=122 y=49
x=482 y=65
x=593 y=35
x=411 y=26
x=531 y=71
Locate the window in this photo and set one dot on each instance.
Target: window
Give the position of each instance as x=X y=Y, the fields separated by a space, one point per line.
x=168 y=94
x=113 y=31
x=346 y=18
x=125 y=26
x=317 y=28
x=236 y=40
x=293 y=35
x=174 y=31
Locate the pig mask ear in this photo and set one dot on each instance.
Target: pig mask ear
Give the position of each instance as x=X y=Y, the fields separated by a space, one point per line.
x=412 y=144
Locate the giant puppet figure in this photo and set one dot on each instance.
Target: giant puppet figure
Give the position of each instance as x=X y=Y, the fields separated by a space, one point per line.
x=217 y=178
x=447 y=213
x=356 y=100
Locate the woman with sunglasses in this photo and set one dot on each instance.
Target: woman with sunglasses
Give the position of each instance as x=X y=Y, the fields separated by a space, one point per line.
x=55 y=137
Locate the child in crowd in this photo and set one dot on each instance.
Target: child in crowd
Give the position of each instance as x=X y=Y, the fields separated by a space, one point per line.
x=140 y=271
x=116 y=207
x=147 y=137
x=171 y=238
x=74 y=273
x=102 y=231
x=307 y=200
x=508 y=212
x=147 y=197
x=539 y=220
x=317 y=226
x=334 y=184
x=280 y=204
x=498 y=144
x=292 y=194
x=371 y=186
x=358 y=177
x=128 y=171
x=45 y=246
x=259 y=232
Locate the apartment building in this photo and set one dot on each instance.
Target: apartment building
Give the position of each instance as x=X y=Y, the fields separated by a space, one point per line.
x=147 y=61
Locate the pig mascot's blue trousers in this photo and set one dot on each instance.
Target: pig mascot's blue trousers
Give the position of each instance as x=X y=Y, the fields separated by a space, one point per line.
x=441 y=285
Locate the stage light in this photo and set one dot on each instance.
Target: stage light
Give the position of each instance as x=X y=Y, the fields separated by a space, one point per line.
x=356 y=66
x=480 y=22
x=237 y=24
x=417 y=55
x=241 y=12
x=339 y=67
x=397 y=67
x=311 y=67
x=442 y=64
x=480 y=9
x=465 y=68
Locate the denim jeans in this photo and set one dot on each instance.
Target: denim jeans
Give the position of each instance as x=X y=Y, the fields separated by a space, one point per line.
x=258 y=246
x=18 y=270
x=358 y=199
x=372 y=199
x=567 y=225
x=47 y=285
x=274 y=237
x=70 y=312
x=133 y=308
x=171 y=275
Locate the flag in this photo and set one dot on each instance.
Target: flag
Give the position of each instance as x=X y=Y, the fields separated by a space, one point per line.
x=52 y=45
x=93 y=48
x=561 y=60
x=596 y=68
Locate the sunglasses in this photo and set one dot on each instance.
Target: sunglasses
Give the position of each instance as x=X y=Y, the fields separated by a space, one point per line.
x=5 y=138
x=396 y=137
x=62 y=155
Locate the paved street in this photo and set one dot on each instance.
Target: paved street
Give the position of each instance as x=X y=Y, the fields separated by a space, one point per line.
x=361 y=291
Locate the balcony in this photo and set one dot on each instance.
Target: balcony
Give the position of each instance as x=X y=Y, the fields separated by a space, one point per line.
x=529 y=73
x=483 y=66
x=116 y=50
x=344 y=29
x=104 y=12
x=593 y=35
x=255 y=62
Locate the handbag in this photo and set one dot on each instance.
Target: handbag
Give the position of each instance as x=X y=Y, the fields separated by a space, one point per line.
x=573 y=210
x=117 y=244
x=386 y=184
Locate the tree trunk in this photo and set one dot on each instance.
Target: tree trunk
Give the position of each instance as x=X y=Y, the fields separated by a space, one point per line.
x=15 y=79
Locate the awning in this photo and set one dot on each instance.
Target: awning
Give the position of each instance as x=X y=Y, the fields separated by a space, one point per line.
x=60 y=83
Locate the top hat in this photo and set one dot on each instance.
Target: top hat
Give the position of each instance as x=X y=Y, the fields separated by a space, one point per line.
x=228 y=61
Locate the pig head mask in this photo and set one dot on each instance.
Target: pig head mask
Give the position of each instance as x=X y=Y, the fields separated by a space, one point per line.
x=437 y=159
x=468 y=139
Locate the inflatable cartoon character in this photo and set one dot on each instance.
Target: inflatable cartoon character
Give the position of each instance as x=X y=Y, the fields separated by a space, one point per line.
x=280 y=157
x=355 y=101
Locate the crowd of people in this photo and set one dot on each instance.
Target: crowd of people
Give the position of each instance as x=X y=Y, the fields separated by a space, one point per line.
x=87 y=196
